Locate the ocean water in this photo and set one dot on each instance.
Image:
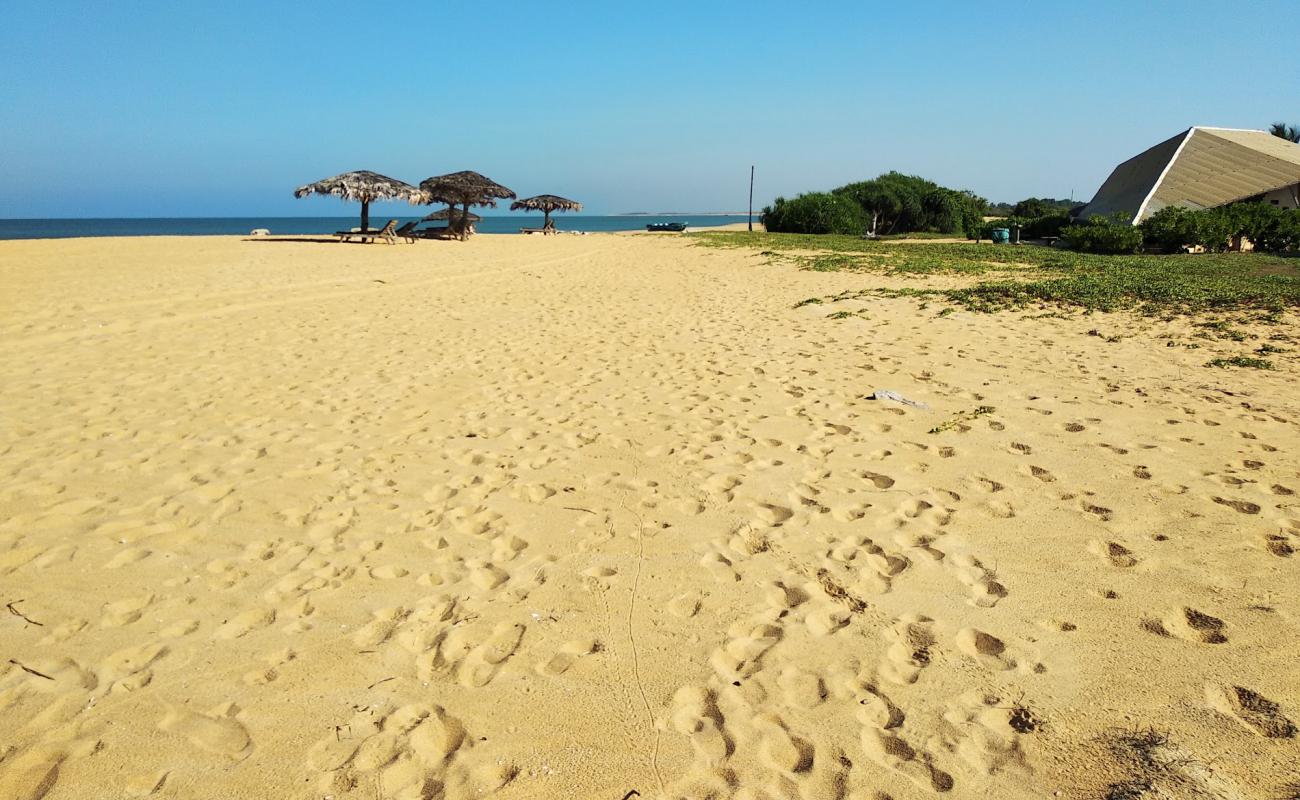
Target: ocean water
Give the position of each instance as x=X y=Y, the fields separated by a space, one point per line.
x=240 y=226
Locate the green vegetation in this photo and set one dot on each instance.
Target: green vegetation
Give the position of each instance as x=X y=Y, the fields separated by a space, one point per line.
x=1271 y=229
x=1247 y=362
x=1112 y=236
x=1033 y=207
x=1016 y=277
x=890 y=204
x=959 y=421
x=815 y=213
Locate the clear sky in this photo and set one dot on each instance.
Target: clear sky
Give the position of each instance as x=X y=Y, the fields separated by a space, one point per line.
x=221 y=109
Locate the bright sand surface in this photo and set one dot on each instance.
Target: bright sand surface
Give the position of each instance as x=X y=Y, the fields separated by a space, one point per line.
x=566 y=517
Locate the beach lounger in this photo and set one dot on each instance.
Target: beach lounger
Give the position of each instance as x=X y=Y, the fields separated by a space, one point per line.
x=408 y=232
x=387 y=233
x=542 y=231
x=442 y=232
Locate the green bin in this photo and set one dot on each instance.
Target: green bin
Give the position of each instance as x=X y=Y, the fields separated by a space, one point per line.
x=1001 y=235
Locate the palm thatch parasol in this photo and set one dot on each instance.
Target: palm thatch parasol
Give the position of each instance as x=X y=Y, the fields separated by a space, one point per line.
x=363 y=186
x=466 y=188
x=546 y=203
x=448 y=213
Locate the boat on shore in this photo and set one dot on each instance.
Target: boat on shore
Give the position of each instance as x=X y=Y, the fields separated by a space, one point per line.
x=675 y=227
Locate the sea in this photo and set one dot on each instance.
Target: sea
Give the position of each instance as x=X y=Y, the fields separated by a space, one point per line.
x=241 y=226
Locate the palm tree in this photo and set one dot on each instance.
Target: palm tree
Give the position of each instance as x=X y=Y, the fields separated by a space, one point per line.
x=1289 y=132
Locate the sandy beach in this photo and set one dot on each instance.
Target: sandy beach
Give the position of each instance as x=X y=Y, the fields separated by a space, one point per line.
x=573 y=516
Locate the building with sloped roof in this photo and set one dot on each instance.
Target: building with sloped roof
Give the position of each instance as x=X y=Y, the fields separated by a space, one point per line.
x=1202 y=168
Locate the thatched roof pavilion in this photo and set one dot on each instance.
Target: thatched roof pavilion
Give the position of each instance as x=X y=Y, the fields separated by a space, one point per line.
x=465 y=188
x=448 y=213
x=363 y=186
x=546 y=203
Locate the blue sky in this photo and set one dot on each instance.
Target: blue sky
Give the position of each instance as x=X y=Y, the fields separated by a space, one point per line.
x=221 y=109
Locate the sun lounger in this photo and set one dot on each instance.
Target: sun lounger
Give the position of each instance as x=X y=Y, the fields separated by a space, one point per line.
x=442 y=232
x=408 y=232
x=542 y=231
x=388 y=233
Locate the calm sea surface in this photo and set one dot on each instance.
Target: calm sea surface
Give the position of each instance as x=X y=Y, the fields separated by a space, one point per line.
x=240 y=226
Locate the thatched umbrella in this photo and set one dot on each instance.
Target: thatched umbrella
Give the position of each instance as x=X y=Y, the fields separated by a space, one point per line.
x=448 y=213
x=363 y=186
x=546 y=203
x=465 y=189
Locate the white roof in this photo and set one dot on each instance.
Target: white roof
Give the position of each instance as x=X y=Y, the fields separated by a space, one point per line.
x=1201 y=167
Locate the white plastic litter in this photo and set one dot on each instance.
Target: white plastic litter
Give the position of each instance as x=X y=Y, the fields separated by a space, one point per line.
x=886 y=394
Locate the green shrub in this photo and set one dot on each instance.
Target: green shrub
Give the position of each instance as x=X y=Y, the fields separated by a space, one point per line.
x=1171 y=229
x=1111 y=235
x=815 y=212
x=1269 y=228
x=1046 y=225
x=896 y=203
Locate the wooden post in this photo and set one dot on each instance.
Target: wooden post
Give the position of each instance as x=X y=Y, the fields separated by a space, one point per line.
x=751 y=198
x=365 y=215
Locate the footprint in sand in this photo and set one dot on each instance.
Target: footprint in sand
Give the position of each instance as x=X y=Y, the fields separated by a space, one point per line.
x=984 y=648
x=772 y=515
x=242 y=624
x=381 y=626
x=1240 y=506
x=720 y=566
x=1193 y=625
x=985 y=589
x=217 y=731
x=800 y=689
x=32 y=775
x=910 y=649
x=1115 y=554
x=569 y=653
x=124 y=612
x=892 y=751
x=684 y=605
x=1041 y=474
x=483 y=662
x=1101 y=512
x=985 y=732
x=780 y=750
x=1256 y=712
x=877 y=480
x=1279 y=545
x=127 y=669
x=744 y=649
x=695 y=715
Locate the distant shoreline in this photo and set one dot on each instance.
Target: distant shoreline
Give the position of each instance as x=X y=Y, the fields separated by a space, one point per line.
x=683 y=214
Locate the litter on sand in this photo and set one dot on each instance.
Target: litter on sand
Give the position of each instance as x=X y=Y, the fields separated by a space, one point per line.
x=886 y=394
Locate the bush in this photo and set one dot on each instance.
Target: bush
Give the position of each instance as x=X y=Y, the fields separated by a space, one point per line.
x=1269 y=228
x=1046 y=225
x=1033 y=228
x=897 y=203
x=1171 y=229
x=1279 y=232
x=815 y=212
x=1110 y=235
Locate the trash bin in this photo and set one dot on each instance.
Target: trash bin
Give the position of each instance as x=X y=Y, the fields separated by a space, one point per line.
x=1001 y=235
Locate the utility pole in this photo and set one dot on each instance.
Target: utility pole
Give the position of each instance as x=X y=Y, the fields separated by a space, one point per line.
x=751 y=198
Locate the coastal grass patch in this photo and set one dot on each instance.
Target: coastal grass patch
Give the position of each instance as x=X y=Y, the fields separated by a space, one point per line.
x=1017 y=277
x=1245 y=362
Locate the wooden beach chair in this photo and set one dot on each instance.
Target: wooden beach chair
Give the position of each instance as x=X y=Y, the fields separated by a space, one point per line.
x=388 y=233
x=408 y=232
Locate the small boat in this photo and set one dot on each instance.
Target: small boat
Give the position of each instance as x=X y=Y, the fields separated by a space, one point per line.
x=676 y=227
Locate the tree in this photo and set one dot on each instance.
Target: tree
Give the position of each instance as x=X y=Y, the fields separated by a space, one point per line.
x=1031 y=207
x=815 y=212
x=1289 y=132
